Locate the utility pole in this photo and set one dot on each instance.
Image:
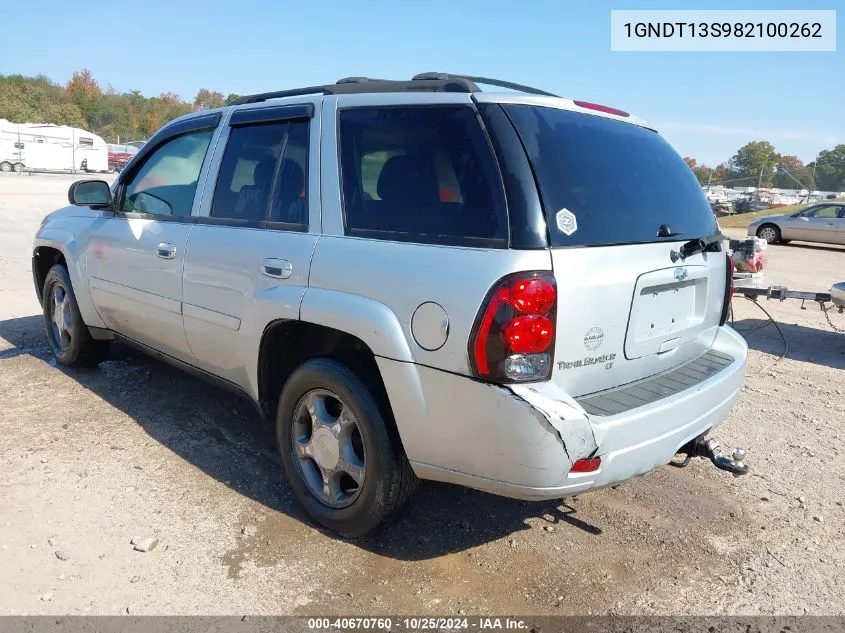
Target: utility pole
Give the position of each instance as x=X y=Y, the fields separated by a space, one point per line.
x=813 y=178
x=760 y=180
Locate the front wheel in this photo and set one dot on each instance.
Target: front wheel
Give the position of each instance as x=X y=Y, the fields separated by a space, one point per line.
x=770 y=233
x=18 y=167
x=339 y=454
x=6 y=166
x=67 y=334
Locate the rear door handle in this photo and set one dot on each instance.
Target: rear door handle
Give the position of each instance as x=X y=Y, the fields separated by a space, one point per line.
x=166 y=250
x=277 y=268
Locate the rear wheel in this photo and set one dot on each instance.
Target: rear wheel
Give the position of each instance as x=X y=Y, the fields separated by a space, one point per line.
x=18 y=167
x=67 y=334
x=6 y=166
x=770 y=233
x=339 y=455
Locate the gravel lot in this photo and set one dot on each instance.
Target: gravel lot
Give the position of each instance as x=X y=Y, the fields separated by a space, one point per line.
x=135 y=449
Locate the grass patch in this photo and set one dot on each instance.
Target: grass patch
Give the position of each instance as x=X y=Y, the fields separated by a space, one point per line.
x=742 y=220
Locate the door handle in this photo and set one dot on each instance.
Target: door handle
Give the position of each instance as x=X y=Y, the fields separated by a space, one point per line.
x=277 y=268
x=165 y=250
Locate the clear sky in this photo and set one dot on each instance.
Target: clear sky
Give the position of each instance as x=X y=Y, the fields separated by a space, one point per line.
x=706 y=104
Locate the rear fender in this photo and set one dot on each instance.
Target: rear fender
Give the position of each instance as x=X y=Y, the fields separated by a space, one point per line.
x=369 y=320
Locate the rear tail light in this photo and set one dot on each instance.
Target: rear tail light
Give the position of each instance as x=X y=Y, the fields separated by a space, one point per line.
x=729 y=290
x=514 y=334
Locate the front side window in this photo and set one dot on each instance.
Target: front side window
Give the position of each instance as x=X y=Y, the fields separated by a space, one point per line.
x=827 y=211
x=166 y=182
x=263 y=175
x=420 y=174
x=84 y=141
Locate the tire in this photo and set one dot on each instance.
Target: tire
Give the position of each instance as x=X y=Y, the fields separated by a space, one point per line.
x=770 y=230
x=18 y=167
x=386 y=477
x=6 y=166
x=72 y=345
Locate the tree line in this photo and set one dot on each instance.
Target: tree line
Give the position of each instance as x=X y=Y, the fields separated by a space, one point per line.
x=759 y=162
x=85 y=103
x=129 y=116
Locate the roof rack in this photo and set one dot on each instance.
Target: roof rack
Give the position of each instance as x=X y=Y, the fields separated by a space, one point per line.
x=424 y=82
x=484 y=80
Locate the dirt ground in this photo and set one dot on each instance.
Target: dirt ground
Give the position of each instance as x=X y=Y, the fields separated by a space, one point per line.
x=136 y=449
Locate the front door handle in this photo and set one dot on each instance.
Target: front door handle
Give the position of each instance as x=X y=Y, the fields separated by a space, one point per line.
x=277 y=268
x=166 y=250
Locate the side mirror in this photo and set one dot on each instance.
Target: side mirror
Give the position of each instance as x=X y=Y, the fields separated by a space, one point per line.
x=85 y=193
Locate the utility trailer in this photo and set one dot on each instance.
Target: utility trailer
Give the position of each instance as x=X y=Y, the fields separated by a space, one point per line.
x=748 y=257
x=49 y=147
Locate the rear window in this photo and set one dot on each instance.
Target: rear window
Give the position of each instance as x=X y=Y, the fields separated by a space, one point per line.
x=609 y=182
x=420 y=174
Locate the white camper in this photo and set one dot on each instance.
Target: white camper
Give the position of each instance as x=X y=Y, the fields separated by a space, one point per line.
x=50 y=147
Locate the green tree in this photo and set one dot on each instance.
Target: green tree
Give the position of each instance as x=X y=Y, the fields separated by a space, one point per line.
x=85 y=92
x=753 y=159
x=232 y=98
x=830 y=169
x=207 y=99
x=65 y=114
x=791 y=174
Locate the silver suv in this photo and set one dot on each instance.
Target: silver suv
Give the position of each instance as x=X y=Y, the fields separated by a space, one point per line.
x=510 y=291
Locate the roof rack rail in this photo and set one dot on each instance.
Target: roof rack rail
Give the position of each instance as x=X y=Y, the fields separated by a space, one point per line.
x=483 y=80
x=263 y=96
x=424 y=82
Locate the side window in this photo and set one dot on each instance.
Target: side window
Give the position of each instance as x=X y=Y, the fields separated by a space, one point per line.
x=826 y=211
x=420 y=174
x=263 y=175
x=166 y=182
x=85 y=141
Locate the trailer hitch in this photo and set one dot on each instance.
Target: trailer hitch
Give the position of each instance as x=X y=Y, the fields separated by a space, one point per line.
x=709 y=448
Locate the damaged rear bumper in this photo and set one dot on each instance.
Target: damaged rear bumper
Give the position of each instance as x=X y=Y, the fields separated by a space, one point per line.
x=521 y=440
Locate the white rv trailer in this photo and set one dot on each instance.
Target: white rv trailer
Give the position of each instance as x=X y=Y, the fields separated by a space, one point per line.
x=50 y=147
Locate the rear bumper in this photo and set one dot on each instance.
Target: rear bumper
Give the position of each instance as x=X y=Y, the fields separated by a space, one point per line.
x=521 y=441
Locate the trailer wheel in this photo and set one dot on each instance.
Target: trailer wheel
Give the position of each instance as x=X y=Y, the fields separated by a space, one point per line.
x=6 y=166
x=18 y=167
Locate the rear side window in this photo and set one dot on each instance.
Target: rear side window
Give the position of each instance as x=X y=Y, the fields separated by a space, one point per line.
x=420 y=174
x=618 y=182
x=263 y=173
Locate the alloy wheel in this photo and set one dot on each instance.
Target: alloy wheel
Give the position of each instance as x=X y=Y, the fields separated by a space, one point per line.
x=328 y=448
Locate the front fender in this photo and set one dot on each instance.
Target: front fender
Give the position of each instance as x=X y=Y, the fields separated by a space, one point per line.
x=63 y=238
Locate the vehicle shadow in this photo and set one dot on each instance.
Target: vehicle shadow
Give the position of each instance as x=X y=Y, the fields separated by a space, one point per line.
x=807 y=344
x=813 y=246
x=225 y=437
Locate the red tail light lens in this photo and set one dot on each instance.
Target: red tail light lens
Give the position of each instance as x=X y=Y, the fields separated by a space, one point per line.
x=513 y=339
x=601 y=108
x=590 y=465
x=533 y=296
x=528 y=334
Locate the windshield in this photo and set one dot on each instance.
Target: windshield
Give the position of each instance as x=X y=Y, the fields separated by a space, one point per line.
x=605 y=182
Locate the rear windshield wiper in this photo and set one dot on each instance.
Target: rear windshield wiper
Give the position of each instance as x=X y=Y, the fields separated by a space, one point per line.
x=693 y=247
